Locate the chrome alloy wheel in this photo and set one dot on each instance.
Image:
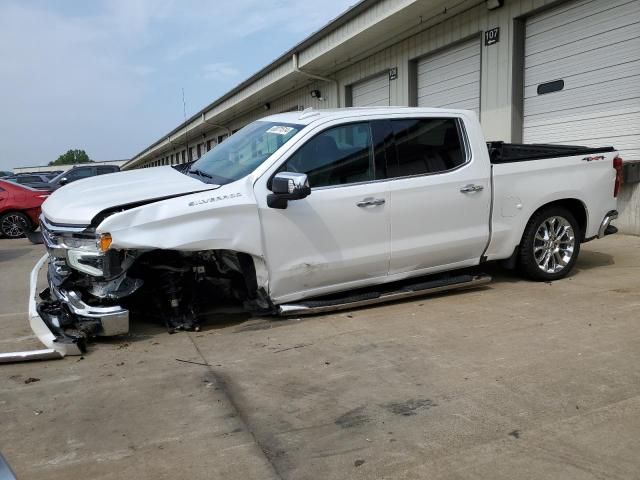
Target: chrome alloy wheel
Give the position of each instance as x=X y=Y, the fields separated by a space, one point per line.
x=14 y=226
x=554 y=244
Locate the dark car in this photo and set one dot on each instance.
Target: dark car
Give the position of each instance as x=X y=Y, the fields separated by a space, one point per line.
x=33 y=180
x=80 y=172
x=19 y=208
x=53 y=174
x=5 y=174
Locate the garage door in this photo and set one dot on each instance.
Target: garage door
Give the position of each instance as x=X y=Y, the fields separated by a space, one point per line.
x=373 y=92
x=582 y=75
x=451 y=78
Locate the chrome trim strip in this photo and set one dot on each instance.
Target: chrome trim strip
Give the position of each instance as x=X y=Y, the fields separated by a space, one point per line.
x=114 y=319
x=61 y=228
x=287 y=310
x=606 y=221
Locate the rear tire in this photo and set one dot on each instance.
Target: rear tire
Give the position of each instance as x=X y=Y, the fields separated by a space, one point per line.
x=550 y=245
x=15 y=225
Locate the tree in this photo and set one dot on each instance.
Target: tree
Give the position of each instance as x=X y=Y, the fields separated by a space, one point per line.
x=72 y=157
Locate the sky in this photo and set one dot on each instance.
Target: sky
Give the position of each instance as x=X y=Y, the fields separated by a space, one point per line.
x=107 y=76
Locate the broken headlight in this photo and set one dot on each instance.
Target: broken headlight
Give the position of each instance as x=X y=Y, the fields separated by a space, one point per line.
x=91 y=262
x=82 y=251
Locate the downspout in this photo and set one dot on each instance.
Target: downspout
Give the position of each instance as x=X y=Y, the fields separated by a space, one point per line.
x=204 y=120
x=317 y=77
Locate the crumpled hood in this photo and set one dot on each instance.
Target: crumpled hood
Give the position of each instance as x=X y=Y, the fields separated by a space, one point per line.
x=80 y=201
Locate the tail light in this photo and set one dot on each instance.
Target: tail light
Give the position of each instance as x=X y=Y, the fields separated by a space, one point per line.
x=617 y=165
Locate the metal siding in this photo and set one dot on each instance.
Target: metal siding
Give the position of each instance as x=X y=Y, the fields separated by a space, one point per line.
x=451 y=78
x=373 y=92
x=594 y=46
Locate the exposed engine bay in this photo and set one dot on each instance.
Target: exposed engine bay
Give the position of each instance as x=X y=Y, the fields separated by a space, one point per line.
x=93 y=292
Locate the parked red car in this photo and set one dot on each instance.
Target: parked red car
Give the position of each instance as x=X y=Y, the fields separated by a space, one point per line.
x=19 y=209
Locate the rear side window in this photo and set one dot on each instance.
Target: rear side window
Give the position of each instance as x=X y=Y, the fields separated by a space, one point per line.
x=80 y=173
x=28 y=179
x=425 y=146
x=337 y=156
x=103 y=170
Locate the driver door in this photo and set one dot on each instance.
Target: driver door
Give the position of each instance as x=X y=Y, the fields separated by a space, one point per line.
x=337 y=237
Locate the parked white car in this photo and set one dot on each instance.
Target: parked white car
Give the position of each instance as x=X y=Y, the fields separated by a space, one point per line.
x=308 y=211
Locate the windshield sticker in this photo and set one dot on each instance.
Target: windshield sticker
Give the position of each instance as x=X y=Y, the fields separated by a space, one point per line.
x=279 y=129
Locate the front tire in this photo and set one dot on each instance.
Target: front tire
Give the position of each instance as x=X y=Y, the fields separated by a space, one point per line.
x=15 y=224
x=550 y=244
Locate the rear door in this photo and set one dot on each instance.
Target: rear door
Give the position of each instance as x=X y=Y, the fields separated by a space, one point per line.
x=439 y=196
x=4 y=198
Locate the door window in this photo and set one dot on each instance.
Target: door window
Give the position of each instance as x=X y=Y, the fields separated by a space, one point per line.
x=337 y=156
x=103 y=170
x=28 y=179
x=426 y=146
x=79 y=173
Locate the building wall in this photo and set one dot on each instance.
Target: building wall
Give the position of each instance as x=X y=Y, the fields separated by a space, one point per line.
x=501 y=74
x=497 y=108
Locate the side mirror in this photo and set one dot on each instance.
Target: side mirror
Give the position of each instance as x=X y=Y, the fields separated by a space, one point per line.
x=288 y=186
x=63 y=181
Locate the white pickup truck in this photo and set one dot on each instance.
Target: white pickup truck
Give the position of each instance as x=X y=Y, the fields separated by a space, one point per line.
x=309 y=211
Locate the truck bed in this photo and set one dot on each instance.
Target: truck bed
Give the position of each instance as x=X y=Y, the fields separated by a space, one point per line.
x=501 y=152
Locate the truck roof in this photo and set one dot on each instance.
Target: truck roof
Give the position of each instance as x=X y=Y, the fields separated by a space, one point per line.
x=311 y=115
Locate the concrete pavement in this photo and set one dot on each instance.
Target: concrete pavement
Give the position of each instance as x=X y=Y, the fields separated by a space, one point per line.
x=515 y=380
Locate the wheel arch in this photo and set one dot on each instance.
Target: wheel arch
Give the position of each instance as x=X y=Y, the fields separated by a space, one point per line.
x=576 y=207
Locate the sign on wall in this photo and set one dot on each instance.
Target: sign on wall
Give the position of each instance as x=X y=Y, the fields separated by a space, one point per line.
x=492 y=36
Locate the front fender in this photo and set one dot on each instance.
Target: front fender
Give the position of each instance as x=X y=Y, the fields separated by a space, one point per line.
x=226 y=218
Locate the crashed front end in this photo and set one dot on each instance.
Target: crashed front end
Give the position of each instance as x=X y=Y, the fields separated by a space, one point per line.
x=86 y=281
x=93 y=288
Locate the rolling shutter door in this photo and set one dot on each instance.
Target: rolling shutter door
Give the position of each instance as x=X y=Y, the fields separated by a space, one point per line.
x=591 y=50
x=373 y=92
x=451 y=78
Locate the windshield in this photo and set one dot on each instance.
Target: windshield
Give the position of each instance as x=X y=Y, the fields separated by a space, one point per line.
x=243 y=152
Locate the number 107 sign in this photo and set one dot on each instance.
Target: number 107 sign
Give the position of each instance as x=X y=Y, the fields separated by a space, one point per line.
x=492 y=36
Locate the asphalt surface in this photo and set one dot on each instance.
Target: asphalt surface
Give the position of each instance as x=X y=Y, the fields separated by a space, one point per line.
x=514 y=380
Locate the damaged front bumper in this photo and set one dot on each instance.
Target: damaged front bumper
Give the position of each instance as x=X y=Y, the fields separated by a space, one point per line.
x=64 y=322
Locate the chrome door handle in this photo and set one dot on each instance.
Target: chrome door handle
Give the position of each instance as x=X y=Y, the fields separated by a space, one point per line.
x=370 y=202
x=471 y=188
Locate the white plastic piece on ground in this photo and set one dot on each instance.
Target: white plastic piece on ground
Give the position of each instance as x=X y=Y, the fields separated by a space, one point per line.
x=30 y=355
x=54 y=350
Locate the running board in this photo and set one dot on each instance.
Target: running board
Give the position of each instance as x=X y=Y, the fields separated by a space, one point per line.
x=310 y=307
